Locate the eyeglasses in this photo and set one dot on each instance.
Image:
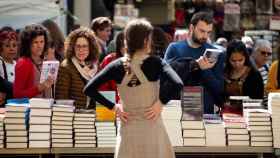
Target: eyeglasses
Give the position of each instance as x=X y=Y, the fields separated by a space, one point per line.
x=264 y=53
x=81 y=47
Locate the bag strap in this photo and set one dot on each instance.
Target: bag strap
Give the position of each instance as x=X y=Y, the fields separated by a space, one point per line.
x=4 y=69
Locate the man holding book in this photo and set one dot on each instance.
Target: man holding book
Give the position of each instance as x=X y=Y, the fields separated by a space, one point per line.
x=205 y=73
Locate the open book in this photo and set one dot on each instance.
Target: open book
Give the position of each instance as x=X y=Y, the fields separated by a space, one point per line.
x=49 y=68
x=212 y=54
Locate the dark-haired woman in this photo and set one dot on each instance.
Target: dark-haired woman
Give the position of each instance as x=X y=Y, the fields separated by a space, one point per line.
x=8 y=54
x=241 y=78
x=33 y=40
x=142 y=132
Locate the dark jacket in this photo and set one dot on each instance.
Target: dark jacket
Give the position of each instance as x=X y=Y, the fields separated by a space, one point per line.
x=70 y=85
x=6 y=87
x=189 y=72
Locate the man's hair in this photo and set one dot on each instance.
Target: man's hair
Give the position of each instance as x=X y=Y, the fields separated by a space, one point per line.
x=201 y=16
x=100 y=23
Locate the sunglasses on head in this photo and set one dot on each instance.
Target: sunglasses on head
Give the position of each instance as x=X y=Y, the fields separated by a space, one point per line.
x=264 y=53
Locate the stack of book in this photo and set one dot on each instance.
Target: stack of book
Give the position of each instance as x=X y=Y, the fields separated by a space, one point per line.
x=252 y=104
x=105 y=122
x=274 y=107
x=62 y=124
x=171 y=115
x=2 y=132
x=16 y=123
x=192 y=120
x=84 y=128
x=214 y=128
x=193 y=133
x=40 y=123
x=236 y=130
x=259 y=125
x=106 y=134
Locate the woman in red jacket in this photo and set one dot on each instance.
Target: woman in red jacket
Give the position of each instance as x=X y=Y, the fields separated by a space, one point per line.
x=28 y=68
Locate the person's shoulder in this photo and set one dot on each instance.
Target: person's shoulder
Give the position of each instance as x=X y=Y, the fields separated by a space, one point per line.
x=66 y=63
x=116 y=63
x=254 y=72
x=153 y=60
x=275 y=63
x=24 y=61
x=179 y=44
x=110 y=57
x=209 y=45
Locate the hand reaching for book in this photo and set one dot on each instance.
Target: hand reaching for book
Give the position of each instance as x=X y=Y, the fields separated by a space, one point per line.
x=120 y=113
x=153 y=112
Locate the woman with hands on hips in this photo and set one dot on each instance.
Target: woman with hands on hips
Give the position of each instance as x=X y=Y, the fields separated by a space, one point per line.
x=142 y=132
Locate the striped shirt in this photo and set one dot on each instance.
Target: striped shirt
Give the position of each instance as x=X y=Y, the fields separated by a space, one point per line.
x=264 y=72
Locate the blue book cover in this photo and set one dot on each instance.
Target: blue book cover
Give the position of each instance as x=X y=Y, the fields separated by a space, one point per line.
x=20 y=102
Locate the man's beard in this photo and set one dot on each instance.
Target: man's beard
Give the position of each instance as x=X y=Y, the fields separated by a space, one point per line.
x=198 y=41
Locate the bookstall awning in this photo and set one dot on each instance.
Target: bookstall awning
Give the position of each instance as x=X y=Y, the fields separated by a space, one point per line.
x=18 y=13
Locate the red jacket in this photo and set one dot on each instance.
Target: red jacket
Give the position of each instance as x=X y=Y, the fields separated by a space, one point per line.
x=110 y=85
x=24 y=79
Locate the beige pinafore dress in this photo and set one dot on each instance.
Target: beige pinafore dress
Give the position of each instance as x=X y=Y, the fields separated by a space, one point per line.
x=139 y=137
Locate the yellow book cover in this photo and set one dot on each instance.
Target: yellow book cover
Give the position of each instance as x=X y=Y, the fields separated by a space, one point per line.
x=102 y=112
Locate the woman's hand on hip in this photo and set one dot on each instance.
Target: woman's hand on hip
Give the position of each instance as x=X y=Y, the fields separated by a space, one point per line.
x=120 y=113
x=153 y=112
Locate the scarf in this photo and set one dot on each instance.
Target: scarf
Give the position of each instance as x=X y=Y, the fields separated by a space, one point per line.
x=85 y=72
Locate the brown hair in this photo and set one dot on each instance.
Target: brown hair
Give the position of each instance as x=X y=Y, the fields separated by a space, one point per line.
x=72 y=39
x=119 y=44
x=159 y=43
x=56 y=36
x=29 y=33
x=136 y=31
x=100 y=23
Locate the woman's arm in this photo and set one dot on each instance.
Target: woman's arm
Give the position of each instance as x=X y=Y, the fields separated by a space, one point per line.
x=172 y=83
x=110 y=72
x=24 y=76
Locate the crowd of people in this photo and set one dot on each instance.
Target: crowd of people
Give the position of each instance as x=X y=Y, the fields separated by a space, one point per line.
x=143 y=67
x=244 y=64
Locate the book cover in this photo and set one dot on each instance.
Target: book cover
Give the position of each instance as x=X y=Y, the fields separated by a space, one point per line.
x=192 y=103
x=212 y=54
x=102 y=112
x=49 y=68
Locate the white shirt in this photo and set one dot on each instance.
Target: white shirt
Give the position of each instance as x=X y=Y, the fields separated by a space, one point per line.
x=10 y=68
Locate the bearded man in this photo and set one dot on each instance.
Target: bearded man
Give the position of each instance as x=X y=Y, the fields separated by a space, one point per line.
x=209 y=75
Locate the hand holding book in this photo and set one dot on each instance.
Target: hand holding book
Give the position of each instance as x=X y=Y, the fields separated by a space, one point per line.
x=49 y=69
x=46 y=84
x=204 y=63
